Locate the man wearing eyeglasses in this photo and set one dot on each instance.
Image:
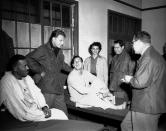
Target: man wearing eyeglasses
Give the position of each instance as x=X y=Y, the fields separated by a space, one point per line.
x=149 y=87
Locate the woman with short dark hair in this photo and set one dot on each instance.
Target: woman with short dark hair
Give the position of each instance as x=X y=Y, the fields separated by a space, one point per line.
x=97 y=64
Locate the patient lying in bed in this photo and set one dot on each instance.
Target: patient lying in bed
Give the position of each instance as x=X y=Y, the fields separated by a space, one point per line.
x=86 y=90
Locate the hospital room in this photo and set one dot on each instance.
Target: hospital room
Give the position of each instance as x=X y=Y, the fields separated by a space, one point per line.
x=83 y=65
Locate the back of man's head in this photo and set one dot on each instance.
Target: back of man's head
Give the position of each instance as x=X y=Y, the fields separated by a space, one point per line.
x=143 y=36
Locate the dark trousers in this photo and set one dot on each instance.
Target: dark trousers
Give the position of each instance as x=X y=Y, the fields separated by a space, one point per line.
x=56 y=101
x=136 y=121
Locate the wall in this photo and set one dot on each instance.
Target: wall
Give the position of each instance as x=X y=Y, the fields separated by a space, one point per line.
x=152 y=3
x=93 y=22
x=154 y=21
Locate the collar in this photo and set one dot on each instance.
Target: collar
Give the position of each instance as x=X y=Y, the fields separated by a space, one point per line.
x=144 y=49
x=95 y=58
x=54 y=49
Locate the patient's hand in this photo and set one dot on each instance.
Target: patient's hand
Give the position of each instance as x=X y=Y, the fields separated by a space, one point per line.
x=104 y=91
x=46 y=111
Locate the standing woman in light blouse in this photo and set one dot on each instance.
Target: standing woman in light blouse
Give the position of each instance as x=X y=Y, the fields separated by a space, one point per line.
x=96 y=64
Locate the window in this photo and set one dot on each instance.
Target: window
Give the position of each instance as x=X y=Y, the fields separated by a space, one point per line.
x=30 y=23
